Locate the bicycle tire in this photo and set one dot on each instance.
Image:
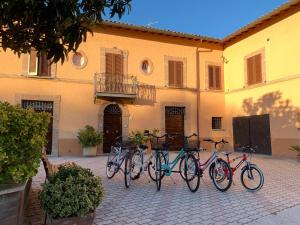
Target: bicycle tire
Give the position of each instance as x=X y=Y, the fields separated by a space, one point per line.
x=228 y=175
x=109 y=163
x=138 y=153
x=151 y=166
x=195 y=174
x=158 y=171
x=127 y=171
x=261 y=177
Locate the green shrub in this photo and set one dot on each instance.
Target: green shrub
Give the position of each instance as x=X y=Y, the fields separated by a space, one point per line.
x=89 y=137
x=22 y=137
x=295 y=148
x=72 y=191
x=139 y=138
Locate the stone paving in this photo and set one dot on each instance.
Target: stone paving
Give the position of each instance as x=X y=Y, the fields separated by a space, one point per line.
x=175 y=204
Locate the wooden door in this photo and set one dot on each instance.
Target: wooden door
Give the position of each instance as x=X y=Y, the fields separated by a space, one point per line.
x=253 y=131
x=174 y=123
x=112 y=126
x=42 y=106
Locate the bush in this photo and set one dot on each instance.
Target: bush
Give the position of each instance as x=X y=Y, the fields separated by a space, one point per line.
x=140 y=138
x=89 y=137
x=22 y=137
x=72 y=191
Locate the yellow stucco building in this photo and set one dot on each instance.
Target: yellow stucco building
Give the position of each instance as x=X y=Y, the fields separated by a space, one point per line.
x=244 y=88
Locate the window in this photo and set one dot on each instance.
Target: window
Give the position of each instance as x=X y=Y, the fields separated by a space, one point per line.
x=214 y=77
x=175 y=73
x=254 y=69
x=114 y=63
x=146 y=66
x=79 y=60
x=39 y=65
x=216 y=123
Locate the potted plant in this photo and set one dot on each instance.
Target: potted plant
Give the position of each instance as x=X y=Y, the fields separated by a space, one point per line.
x=22 y=137
x=71 y=196
x=296 y=148
x=89 y=138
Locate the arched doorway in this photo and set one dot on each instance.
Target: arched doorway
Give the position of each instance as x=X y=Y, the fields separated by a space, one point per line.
x=112 y=125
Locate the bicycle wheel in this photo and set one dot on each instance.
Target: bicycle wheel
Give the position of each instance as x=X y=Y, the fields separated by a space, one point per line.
x=191 y=172
x=111 y=164
x=222 y=175
x=151 y=167
x=158 y=171
x=252 y=178
x=127 y=170
x=136 y=165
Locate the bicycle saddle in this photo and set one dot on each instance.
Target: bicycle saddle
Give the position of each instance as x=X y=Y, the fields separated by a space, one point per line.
x=227 y=153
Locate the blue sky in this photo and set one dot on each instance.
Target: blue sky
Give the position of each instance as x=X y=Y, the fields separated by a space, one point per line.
x=215 y=18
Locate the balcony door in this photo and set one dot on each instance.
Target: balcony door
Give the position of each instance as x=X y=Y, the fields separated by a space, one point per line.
x=112 y=126
x=114 y=75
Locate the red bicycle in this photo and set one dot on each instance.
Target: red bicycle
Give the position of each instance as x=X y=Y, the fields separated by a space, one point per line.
x=252 y=178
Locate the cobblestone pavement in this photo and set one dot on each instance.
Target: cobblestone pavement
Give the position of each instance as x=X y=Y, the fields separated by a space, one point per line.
x=175 y=204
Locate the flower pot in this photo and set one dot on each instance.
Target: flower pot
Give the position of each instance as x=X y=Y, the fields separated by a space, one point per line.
x=83 y=220
x=13 y=199
x=90 y=151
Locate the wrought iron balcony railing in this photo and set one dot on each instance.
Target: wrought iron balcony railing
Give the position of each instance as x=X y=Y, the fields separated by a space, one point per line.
x=112 y=85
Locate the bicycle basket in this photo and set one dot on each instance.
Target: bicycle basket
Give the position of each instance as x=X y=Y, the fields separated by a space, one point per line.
x=193 y=144
x=158 y=143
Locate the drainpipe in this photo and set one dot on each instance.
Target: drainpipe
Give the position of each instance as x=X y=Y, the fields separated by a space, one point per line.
x=198 y=91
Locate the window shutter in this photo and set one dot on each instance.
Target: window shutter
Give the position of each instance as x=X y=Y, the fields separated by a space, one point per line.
x=44 y=65
x=210 y=76
x=250 y=72
x=217 y=78
x=171 y=73
x=33 y=63
x=109 y=63
x=118 y=64
x=258 y=69
x=179 y=74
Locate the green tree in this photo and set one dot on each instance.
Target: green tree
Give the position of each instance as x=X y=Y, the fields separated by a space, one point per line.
x=55 y=27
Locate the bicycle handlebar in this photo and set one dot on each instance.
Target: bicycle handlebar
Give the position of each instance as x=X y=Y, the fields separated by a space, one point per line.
x=215 y=142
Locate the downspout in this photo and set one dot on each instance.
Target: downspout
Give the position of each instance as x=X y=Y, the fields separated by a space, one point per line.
x=198 y=91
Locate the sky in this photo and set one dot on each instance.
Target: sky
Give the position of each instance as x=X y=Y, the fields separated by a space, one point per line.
x=214 y=18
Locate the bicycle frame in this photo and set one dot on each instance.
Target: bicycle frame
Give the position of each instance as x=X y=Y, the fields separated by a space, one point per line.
x=208 y=162
x=169 y=166
x=120 y=156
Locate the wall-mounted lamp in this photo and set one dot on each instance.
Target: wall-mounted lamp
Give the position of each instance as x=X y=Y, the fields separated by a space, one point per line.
x=225 y=60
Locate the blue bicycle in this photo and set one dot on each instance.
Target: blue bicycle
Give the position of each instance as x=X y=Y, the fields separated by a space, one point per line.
x=165 y=167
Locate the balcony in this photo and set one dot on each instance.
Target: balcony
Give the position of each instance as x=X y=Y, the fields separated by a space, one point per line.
x=115 y=86
x=123 y=87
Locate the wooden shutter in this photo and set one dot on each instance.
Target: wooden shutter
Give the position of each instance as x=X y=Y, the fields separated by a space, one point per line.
x=44 y=65
x=175 y=73
x=254 y=69
x=109 y=63
x=33 y=63
x=171 y=73
x=210 y=77
x=217 y=78
x=250 y=71
x=258 y=69
x=114 y=64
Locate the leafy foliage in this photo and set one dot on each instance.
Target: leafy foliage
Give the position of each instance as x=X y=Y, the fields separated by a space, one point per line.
x=22 y=136
x=89 y=137
x=52 y=26
x=139 y=138
x=72 y=191
x=295 y=148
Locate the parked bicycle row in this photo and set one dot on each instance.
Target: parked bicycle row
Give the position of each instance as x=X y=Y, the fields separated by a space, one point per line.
x=133 y=161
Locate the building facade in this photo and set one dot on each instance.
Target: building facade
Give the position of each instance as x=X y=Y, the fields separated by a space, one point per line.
x=125 y=78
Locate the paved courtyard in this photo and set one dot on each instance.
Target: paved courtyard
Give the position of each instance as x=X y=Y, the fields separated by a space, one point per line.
x=175 y=204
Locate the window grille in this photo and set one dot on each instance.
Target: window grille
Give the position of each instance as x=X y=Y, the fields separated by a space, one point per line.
x=171 y=110
x=42 y=106
x=112 y=109
x=216 y=123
